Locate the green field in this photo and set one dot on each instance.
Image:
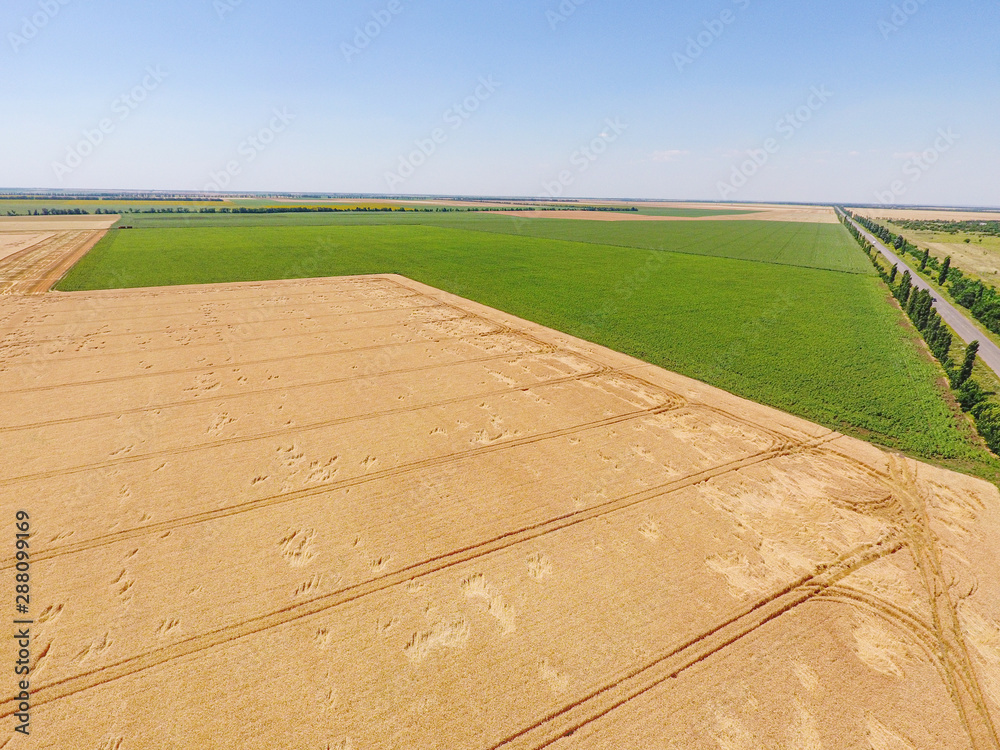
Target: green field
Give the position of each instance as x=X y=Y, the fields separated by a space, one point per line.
x=15 y=206
x=798 y=244
x=822 y=344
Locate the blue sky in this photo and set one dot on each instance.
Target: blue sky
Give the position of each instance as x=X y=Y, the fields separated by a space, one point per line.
x=580 y=98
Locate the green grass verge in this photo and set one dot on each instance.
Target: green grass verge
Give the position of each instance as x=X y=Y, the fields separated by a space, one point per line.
x=820 y=344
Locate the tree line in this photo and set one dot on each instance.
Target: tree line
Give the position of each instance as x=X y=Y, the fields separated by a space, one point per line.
x=918 y=304
x=123 y=197
x=311 y=209
x=991 y=228
x=980 y=299
x=52 y=212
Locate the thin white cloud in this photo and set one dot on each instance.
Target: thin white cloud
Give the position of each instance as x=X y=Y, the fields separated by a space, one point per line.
x=670 y=155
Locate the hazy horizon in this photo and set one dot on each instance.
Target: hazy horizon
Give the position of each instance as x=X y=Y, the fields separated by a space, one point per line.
x=347 y=196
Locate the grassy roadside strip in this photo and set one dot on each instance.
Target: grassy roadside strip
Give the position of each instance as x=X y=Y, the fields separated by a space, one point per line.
x=973 y=397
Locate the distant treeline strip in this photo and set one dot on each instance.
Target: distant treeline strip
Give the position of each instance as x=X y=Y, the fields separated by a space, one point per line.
x=991 y=228
x=123 y=197
x=919 y=306
x=54 y=212
x=314 y=209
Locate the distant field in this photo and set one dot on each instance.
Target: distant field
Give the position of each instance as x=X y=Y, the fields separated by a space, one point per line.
x=820 y=344
x=290 y=202
x=693 y=213
x=108 y=206
x=21 y=207
x=980 y=257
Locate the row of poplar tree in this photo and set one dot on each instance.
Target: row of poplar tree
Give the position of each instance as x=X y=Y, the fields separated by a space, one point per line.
x=980 y=299
x=919 y=306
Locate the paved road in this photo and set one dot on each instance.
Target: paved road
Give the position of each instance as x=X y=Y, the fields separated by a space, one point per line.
x=989 y=352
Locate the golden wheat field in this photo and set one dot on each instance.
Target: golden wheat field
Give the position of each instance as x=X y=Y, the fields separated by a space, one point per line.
x=362 y=513
x=35 y=252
